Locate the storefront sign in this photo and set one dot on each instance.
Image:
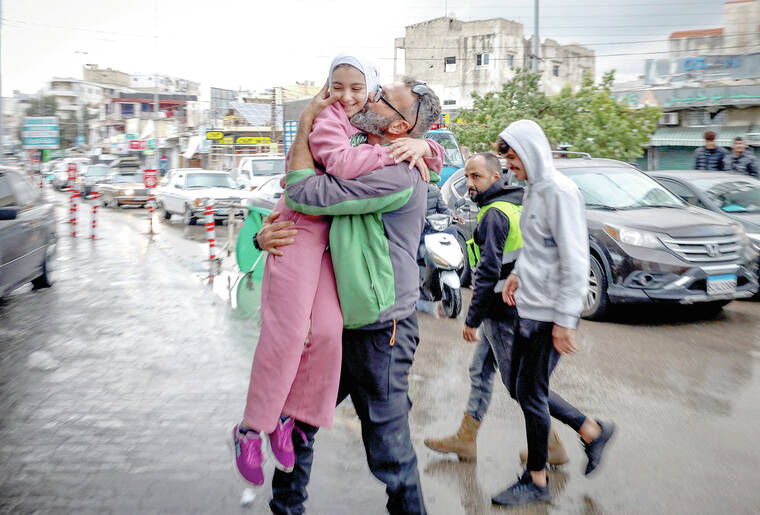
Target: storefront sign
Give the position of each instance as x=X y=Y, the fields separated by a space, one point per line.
x=214 y=135
x=253 y=140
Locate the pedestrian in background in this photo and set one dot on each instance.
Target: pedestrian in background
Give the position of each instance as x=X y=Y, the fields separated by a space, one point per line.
x=741 y=160
x=710 y=156
x=548 y=285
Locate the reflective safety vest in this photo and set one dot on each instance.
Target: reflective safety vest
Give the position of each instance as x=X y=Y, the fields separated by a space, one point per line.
x=514 y=243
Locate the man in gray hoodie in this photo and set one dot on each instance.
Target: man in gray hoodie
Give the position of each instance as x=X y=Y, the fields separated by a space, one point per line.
x=548 y=285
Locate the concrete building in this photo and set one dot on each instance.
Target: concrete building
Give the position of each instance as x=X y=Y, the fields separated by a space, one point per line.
x=710 y=81
x=458 y=57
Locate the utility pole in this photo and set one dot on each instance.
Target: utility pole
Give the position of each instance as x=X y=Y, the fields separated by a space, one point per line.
x=535 y=37
x=2 y=113
x=274 y=112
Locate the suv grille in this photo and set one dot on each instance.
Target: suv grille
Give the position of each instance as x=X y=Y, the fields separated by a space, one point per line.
x=719 y=248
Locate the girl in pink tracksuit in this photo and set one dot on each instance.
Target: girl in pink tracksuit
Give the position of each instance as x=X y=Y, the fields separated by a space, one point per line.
x=296 y=366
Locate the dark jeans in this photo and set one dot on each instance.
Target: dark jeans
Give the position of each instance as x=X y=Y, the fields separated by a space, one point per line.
x=375 y=373
x=533 y=361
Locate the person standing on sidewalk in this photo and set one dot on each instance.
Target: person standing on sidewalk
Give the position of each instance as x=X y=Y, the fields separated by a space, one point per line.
x=710 y=156
x=740 y=160
x=548 y=285
x=493 y=249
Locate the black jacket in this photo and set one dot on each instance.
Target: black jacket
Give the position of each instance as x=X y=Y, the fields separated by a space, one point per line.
x=743 y=163
x=490 y=235
x=435 y=203
x=709 y=158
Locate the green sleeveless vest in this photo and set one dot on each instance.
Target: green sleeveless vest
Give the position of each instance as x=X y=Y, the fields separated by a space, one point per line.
x=514 y=239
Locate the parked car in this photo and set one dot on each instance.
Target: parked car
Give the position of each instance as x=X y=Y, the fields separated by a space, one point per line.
x=90 y=177
x=647 y=245
x=734 y=195
x=453 y=159
x=266 y=195
x=28 y=235
x=187 y=191
x=123 y=186
x=61 y=171
x=253 y=171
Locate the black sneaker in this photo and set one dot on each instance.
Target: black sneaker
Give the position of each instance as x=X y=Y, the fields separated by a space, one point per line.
x=595 y=449
x=525 y=491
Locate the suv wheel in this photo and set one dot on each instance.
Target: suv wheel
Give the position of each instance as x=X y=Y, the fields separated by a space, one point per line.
x=597 y=302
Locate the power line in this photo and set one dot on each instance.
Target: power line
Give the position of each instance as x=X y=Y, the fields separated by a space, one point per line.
x=562 y=57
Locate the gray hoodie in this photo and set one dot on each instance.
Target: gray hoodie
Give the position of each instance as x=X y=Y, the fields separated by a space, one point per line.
x=554 y=263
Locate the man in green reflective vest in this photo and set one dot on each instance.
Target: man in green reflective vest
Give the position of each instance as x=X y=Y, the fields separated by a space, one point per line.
x=492 y=251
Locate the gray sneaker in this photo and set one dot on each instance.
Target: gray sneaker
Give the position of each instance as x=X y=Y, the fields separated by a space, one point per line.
x=524 y=491
x=595 y=449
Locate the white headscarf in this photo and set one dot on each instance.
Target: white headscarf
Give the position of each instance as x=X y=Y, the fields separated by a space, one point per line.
x=371 y=76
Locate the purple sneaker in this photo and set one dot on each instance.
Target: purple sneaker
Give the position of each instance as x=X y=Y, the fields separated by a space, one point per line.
x=281 y=443
x=249 y=456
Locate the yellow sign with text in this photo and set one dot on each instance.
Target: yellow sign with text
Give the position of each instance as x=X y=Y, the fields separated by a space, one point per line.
x=227 y=140
x=214 y=135
x=253 y=140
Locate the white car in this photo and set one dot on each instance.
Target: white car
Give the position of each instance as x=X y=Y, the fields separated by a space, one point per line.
x=187 y=192
x=255 y=170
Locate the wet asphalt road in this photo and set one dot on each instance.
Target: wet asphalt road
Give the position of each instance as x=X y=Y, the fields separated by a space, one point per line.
x=119 y=384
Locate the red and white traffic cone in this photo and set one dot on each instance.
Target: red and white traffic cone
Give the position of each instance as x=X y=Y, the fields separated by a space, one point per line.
x=210 y=232
x=73 y=211
x=94 y=224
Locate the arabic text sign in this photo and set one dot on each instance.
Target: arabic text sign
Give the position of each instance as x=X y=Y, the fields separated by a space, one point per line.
x=150 y=178
x=40 y=132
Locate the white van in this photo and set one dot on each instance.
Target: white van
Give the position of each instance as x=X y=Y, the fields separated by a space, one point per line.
x=255 y=170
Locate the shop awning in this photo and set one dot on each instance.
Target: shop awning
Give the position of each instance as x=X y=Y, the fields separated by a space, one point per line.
x=192 y=147
x=694 y=136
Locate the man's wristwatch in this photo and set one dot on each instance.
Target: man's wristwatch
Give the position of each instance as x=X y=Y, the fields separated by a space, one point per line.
x=256 y=242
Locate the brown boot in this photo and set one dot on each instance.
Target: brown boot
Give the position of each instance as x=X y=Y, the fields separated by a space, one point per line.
x=557 y=453
x=463 y=443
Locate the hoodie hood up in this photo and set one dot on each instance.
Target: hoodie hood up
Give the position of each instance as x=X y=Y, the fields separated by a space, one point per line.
x=371 y=75
x=529 y=142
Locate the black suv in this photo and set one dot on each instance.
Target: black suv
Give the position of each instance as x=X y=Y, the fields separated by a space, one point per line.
x=646 y=244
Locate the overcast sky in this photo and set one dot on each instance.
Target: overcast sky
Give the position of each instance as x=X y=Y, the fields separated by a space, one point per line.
x=253 y=44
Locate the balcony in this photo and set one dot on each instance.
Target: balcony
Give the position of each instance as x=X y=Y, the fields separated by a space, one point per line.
x=58 y=92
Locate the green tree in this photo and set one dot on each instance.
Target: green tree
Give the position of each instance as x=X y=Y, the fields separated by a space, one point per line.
x=588 y=120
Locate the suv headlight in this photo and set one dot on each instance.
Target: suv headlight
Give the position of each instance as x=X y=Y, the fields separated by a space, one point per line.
x=635 y=237
x=200 y=202
x=754 y=240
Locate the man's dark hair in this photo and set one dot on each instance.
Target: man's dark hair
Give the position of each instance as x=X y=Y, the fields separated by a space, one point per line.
x=502 y=146
x=492 y=162
x=709 y=136
x=738 y=139
x=430 y=109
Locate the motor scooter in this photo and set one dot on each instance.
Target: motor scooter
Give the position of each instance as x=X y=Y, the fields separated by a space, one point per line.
x=440 y=257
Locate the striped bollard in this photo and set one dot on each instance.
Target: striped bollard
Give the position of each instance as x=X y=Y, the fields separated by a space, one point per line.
x=210 y=232
x=94 y=224
x=73 y=211
x=151 y=203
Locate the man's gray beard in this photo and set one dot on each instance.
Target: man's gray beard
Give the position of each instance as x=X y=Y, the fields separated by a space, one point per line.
x=371 y=123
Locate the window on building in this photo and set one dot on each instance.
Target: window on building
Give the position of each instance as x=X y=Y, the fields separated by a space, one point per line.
x=146 y=108
x=510 y=61
x=450 y=64
x=555 y=70
x=482 y=59
x=703 y=117
x=127 y=110
x=449 y=102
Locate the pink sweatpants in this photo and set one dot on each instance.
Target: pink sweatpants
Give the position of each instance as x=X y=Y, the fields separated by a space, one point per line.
x=296 y=366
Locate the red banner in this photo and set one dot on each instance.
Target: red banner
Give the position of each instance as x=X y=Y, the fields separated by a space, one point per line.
x=150 y=178
x=138 y=144
x=72 y=169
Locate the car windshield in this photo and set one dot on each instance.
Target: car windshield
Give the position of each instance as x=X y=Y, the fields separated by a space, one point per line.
x=209 y=180
x=620 y=188
x=121 y=178
x=741 y=195
x=268 y=166
x=97 y=171
x=453 y=156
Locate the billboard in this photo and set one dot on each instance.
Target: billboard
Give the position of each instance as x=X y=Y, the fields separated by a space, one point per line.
x=40 y=132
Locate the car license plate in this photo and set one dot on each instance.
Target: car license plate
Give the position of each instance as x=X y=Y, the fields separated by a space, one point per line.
x=721 y=284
